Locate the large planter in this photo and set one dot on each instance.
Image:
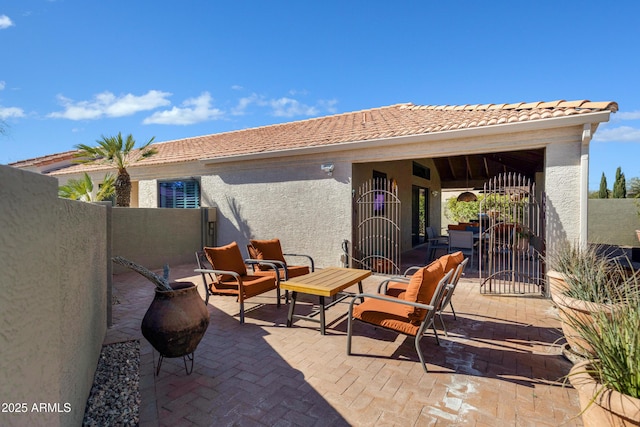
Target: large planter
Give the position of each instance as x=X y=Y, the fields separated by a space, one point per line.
x=570 y=311
x=557 y=282
x=176 y=321
x=602 y=406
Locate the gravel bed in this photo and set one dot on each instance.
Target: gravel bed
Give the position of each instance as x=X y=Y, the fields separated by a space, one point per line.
x=115 y=395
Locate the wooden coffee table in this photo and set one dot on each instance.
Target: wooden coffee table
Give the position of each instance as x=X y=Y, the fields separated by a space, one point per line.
x=327 y=282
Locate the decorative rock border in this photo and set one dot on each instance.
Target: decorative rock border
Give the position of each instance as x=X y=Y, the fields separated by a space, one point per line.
x=115 y=395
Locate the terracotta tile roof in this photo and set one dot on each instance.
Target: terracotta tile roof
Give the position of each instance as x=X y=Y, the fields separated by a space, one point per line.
x=385 y=122
x=44 y=160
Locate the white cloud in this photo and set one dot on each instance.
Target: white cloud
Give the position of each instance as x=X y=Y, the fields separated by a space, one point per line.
x=618 y=134
x=8 y=112
x=2 y=84
x=193 y=110
x=630 y=115
x=5 y=22
x=106 y=104
x=244 y=103
x=237 y=87
x=288 y=107
x=284 y=107
x=329 y=105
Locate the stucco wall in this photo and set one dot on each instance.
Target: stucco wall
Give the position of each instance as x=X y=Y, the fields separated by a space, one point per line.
x=53 y=307
x=155 y=237
x=148 y=193
x=614 y=221
x=562 y=187
x=308 y=210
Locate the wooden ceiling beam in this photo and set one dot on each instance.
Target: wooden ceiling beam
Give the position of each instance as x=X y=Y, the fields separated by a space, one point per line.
x=451 y=168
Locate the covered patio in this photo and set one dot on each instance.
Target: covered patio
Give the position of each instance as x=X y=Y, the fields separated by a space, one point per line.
x=501 y=364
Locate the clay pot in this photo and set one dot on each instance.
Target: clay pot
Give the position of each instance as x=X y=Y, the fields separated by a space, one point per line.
x=557 y=282
x=571 y=310
x=602 y=406
x=176 y=321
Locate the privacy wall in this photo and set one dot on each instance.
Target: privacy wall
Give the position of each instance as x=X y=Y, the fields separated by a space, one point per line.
x=154 y=237
x=614 y=221
x=53 y=300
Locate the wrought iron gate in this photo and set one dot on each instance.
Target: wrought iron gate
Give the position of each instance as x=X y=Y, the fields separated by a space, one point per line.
x=377 y=220
x=511 y=241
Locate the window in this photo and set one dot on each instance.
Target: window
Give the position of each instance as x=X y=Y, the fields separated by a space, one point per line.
x=421 y=171
x=179 y=194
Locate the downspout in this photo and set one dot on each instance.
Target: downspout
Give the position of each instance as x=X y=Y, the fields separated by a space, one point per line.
x=584 y=184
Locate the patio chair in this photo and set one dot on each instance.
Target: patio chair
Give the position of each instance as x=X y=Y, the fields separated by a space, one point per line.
x=411 y=315
x=435 y=242
x=456 y=262
x=271 y=251
x=228 y=275
x=463 y=241
x=396 y=286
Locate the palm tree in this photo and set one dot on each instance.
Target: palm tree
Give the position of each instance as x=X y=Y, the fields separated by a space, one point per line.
x=82 y=189
x=115 y=151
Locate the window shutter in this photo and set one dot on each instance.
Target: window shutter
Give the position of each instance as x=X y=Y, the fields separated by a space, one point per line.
x=179 y=194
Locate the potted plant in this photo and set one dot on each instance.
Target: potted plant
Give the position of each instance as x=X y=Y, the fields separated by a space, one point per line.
x=608 y=380
x=177 y=318
x=584 y=280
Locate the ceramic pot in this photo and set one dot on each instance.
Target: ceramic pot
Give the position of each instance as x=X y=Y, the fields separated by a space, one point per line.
x=602 y=406
x=176 y=321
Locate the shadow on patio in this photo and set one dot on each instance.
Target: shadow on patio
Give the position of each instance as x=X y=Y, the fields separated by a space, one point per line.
x=501 y=364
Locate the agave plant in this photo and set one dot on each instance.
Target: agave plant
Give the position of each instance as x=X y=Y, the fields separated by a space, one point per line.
x=161 y=282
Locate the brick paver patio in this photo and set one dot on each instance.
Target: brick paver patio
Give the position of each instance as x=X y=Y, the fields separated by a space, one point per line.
x=500 y=365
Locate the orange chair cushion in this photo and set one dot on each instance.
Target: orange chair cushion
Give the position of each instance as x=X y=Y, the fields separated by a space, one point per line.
x=422 y=287
x=294 y=271
x=451 y=261
x=265 y=250
x=254 y=285
x=396 y=289
x=227 y=258
x=444 y=260
x=386 y=314
x=461 y=227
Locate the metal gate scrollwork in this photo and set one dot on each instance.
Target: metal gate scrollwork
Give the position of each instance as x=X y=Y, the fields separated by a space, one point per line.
x=511 y=237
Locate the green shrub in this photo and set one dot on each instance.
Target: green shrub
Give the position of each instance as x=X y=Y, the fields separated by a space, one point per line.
x=461 y=211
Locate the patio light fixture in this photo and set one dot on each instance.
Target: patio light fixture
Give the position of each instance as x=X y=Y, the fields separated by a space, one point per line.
x=327 y=168
x=467 y=196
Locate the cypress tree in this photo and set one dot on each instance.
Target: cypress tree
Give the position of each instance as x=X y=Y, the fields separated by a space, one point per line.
x=603 y=193
x=620 y=185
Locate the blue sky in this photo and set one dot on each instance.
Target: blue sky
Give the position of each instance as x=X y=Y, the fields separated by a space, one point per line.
x=73 y=70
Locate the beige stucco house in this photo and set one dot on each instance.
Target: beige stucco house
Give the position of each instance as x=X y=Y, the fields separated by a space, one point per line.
x=296 y=181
